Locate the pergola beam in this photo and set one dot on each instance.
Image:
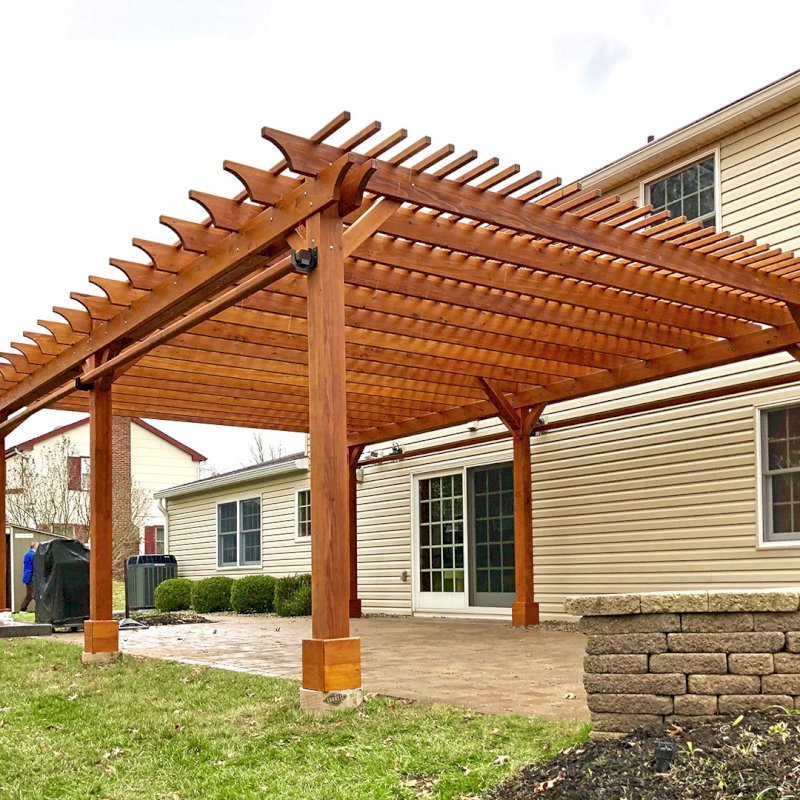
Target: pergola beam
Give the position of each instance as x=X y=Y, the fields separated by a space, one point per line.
x=226 y=262
x=405 y=185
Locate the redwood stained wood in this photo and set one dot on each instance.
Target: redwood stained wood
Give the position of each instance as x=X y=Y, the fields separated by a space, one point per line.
x=525 y=610
x=353 y=454
x=232 y=258
x=330 y=558
x=100 y=515
x=401 y=183
x=3 y=521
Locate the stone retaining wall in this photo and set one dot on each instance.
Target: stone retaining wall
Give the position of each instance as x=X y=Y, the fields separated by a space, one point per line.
x=655 y=659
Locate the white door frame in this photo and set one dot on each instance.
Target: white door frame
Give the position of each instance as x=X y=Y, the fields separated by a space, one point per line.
x=420 y=601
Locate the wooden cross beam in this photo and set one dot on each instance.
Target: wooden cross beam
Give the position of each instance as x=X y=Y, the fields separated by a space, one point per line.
x=750 y=345
x=230 y=259
x=406 y=185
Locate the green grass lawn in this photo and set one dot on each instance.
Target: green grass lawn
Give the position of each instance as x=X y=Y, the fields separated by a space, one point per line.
x=149 y=729
x=118 y=596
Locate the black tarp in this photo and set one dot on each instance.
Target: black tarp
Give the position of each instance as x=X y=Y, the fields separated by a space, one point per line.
x=61 y=575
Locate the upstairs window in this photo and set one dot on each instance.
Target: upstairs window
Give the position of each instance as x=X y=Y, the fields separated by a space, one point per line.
x=688 y=192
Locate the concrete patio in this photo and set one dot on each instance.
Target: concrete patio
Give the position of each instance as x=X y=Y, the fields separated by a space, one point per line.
x=480 y=664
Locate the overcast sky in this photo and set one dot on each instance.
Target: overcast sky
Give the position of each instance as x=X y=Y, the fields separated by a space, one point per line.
x=114 y=109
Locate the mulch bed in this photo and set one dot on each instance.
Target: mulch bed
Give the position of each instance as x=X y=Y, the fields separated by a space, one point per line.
x=155 y=618
x=755 y=757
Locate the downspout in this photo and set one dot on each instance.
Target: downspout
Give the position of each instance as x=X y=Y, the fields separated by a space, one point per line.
x=162 y=506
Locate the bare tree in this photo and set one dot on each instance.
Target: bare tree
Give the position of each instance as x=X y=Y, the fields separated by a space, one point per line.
x=39 y=497
x=261 y=451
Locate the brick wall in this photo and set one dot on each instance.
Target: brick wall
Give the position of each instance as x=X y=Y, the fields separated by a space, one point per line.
x=121 y=459
x=655 y=659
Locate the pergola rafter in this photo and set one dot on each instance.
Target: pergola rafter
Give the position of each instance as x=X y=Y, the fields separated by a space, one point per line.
x=366 y=296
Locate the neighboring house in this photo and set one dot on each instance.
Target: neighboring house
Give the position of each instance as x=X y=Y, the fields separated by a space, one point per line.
x=144 y=457
x=696 y=495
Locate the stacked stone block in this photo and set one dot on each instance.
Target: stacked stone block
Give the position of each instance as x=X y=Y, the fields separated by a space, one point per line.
x=663 y=658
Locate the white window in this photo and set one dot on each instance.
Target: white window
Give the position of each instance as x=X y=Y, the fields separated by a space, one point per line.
x=86 y=473
x=303 y=505
x=160 y=542
x=239 y=533
x=689 y=192
x=780 y=468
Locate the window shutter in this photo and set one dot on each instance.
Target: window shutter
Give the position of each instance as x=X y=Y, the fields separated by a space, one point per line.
x=149 y=539
x=74 y=473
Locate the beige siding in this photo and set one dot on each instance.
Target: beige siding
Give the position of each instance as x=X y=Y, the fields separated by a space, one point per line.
x=156 y=464
x=193 y=528
x=760 y=180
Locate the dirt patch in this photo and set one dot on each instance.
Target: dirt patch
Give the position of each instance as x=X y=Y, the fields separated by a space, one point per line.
x=755 y=756
x=155 y=618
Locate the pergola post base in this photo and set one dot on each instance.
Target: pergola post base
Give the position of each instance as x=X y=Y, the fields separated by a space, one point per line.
x=355 y=608
x=523 y=614
x=322 y=703
x=332 y=665
x=101 y=641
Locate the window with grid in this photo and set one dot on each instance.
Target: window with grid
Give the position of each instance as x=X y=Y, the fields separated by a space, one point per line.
x=239 y=533
x=304 y=514
x=781 y=468
x=441 y=534
x=687 y=192
x=160 y=542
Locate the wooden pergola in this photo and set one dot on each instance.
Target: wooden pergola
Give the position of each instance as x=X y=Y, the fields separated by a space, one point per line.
x=375 y=289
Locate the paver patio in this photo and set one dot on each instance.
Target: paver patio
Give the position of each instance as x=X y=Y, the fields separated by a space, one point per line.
x=485 y=665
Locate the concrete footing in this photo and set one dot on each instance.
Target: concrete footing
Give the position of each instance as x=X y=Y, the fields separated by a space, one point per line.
x=321 y=703
x=101 y=658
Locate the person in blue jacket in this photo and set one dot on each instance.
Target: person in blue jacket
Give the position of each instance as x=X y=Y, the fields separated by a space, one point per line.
x=27 y=577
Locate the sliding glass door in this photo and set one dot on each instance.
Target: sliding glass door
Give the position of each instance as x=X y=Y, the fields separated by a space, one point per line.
x=465 y=539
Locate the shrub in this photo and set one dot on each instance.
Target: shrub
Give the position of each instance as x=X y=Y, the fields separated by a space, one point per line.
x=173 y=594
x=212 y=594
x=254 y=594
x=293 y=596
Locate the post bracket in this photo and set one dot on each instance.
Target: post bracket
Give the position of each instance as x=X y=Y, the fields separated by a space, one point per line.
x=304 y=261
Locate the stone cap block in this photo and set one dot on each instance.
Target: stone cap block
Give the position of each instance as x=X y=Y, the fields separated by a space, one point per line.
x=674 y=602
x=754 y=600
x=686 y=602
x=601 y=605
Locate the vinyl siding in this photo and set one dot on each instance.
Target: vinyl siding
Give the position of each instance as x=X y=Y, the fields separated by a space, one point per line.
x=156 y=464
x=658 y=501
x=193 y=528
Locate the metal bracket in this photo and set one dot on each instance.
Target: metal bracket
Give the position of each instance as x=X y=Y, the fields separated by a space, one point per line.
x=304 y=261
x=83 y=387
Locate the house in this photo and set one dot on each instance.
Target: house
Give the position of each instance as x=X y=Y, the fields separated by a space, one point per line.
x=699 y=494
x=145 y=460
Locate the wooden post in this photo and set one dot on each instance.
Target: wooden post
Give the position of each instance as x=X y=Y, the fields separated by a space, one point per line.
x=3 y=548
x=524 y=611
x=331 y=658
x=353 y=453
x=101 y=632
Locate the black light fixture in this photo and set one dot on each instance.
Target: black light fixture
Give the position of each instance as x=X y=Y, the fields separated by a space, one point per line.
x=396 y=449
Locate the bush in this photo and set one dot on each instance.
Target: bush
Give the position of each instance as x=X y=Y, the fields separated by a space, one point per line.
x=293 y=596
x=254 y=594
x=212 y=594
x=174 y=594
